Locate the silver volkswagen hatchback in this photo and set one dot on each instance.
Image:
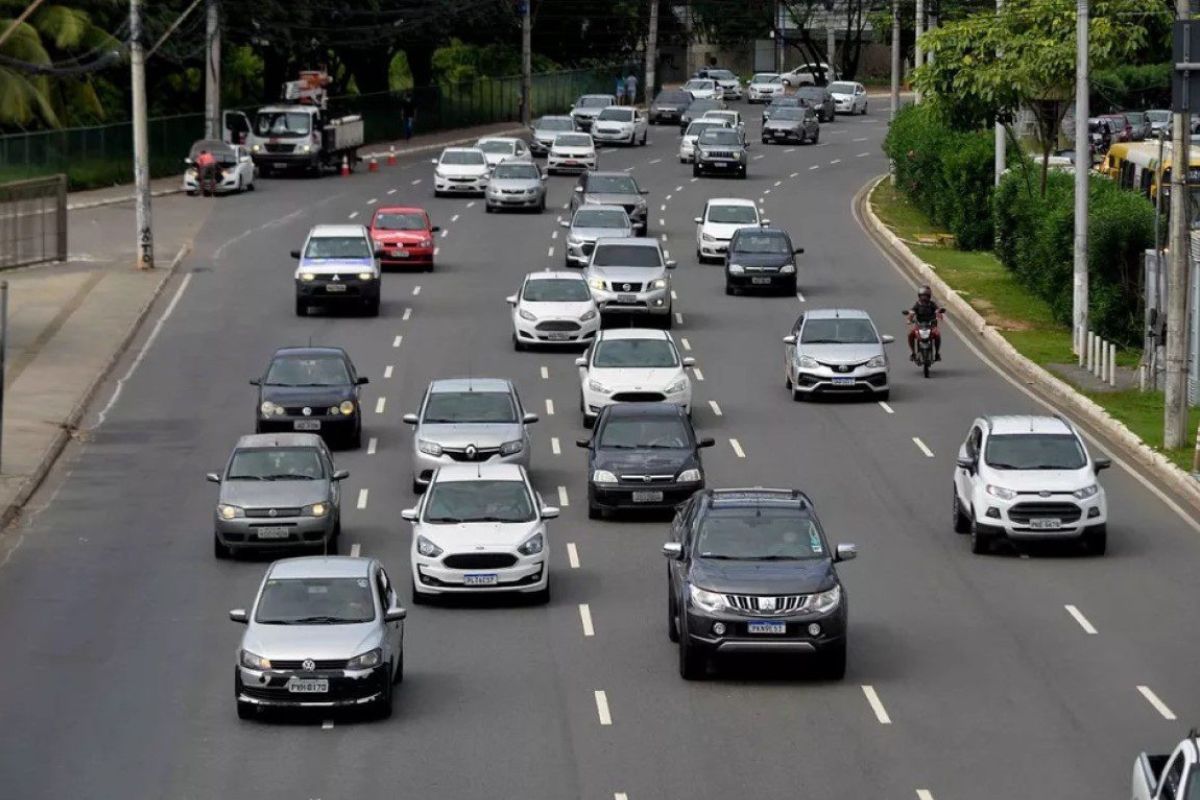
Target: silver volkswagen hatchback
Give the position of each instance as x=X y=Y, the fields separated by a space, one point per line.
x=324 y=632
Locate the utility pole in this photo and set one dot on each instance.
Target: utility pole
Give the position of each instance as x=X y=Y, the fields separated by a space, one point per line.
x=830 y=44
x=1175 y=412
x=526 y=60
x=652 y=53
x=895 y=62
x=212 y=71
x=778 y=36
x=918 y=56
x=1083 y=166
x=141 y=138
x=1001 y=141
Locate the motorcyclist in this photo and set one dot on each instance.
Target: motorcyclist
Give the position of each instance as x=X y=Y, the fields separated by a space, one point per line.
x=925 y=310
x=206 y=164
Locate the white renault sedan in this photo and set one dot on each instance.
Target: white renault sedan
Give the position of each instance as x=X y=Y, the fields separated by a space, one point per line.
x=722 y=217
x=632 y=365
x=553 y=308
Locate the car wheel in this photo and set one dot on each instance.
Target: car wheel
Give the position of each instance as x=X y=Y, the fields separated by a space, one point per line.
x=797 y=395
x=372 y=307
x=398 y=673
x=981 y=541
x=246 y=710
x=419 y=599
x=240 y=187
x=437 y=193
x=962 y=524
x=884 y=395
x=330 y=547
x=589 y=422
x=355 y=441
x=692 y=661
x=816 y=137
x=764 y=140
x=383 y=706
x=729 y=290
x=540 y=597
x=667 y=321
x=220 y=551
x=518 y=345
x=1096 y=540
x=695 y=170
x=301 y=308
x=833 y=661
x=488 y=208
x=250 y=186
x=672 y=612
x=742 y=174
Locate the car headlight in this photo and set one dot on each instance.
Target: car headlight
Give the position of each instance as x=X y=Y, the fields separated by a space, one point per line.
x=1001 y=492
x=269 y=409
x=603 y=476
x=826 y=601
x=512 y=448
x=304 y=148
x=533 y=545
x=787 y=269
x=709 y=601
x=366 y=276
x=429 y=448
x=708 y=237
x=347 y=407
x=315 y=510
x=658 y=283
x=573 y=239
x=425 y=243
x=597 y=386
x=678 y=386
x=807 y=362
x=702 y=153
x=254 y=148
x=230 y=512
x=307 y=277
x=254 y=661
x=690 y=476
x=877 y=362
x=596 y=283
x=523 y=314
x=371 y=658
x=736 y=269
x=191 y=173
x=588 y=315
x=1086 y=492
x=427 y=548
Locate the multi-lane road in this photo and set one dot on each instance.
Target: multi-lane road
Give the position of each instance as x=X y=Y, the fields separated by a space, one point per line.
x=969 y=677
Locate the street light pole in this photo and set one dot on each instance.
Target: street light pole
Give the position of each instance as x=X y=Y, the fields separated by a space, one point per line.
x=526 y=60
x=918 y=59
x=1175 y=390
x=212 y=71
x=652 y=53
x=1083 y=165
x=1001 y=141
x=141 y=138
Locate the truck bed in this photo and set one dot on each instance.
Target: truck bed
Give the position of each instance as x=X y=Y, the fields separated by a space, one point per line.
x=344 y=133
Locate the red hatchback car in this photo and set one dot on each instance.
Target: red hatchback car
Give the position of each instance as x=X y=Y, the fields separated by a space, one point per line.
x=404 y=235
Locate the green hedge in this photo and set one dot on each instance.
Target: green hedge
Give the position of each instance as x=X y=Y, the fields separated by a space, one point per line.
x=1036 y=237
x=945 y=173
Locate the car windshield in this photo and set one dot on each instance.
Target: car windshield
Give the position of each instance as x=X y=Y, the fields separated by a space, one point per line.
x=849 y=330
x=773 y=243
x=761 y=533
x=765 y=77
x=733 y=215
x=606 y=218
x=315 y=601
x=720 y=74
x=494 y=146
x=612 y=184
x=1035 y=451
x=463 y=157
x=700 y=126
x=788 y=113
x=452 y=502
x=573 y=140
x=616 y=114
x=400 y=221
x=463 y=407
x=621 y=255
x=1158 y=116
x=338 y=247
x=282 y=123
x=554 y=124
x=307 y=371
x=698 y=85
x=652 y=433
x=841 y=88
x=275 y=464
x=723 y=136
x=556 y=290
x=595 y=101
x=514 y=171
x=640 y=353
x=784 y=102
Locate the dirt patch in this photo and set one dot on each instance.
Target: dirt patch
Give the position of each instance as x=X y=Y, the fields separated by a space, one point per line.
x=995 y=320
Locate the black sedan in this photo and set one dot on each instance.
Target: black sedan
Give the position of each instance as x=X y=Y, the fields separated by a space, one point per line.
x=818 y=97
x=761 y=258
x=792 y=125
x=669 y=106
x=313 y=389
x=642 y=456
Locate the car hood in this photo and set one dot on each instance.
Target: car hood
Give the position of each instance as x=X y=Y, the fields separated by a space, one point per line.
x=466 y=537
x=607 y=199
x=314 y=396
x=480 y=434
x=592 y=234
x=760 y=259
x=782 y=124
x=400 y=236
x=274 y=494
x=723 y=230
x=463 y=170
x=591 y=113
x=573 y=152
x=645 y=462
x=840 y=96
x=841 y=353
x=615 y=123
x=1037 y=480
x=626 y=274
x=763 y=577
x=571 y=311
x=297 y=642
x=636 y=378
x=513 y=183
x=546 y=134
x=336 y=266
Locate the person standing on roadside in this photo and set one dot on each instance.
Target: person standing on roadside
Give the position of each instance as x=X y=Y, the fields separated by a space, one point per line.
x=631 y=83
x=620 y=91
x=409 y=112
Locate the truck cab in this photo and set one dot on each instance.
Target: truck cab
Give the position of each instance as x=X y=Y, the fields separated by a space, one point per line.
x=1173 y=777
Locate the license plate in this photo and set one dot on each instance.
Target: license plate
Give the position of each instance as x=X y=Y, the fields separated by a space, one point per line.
x=335 y=287
x=760 y=281
x=718 y=163
x=398 y=253
x=647 y=497
x=559 y=337
x=308 y=685
x=571 y=163
x=306 y=425
x=280 y=165
x=275 y=532
x=1045 y=522
x=627 y=298
x=843 y=381
x=480 y=579
x=766 y=627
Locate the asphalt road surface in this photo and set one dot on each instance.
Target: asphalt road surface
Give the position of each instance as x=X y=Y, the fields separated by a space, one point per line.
x=969 y=677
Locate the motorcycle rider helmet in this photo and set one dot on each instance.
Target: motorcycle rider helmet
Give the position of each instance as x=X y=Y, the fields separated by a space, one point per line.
x=924 y=293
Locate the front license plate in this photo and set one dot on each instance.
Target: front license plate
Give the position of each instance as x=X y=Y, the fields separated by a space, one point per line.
x=306 y=425
x=1045 y=523
x=398 y=253
x=275 y=532
x=559 y=337
x=571 y=163
x=719 y=163
x=627 y=298
x=761 y=281
x=480 y=579
x=647 y=497
x=766 y=627
x=308 y=685
x=335 y=287
x=280 y=165
x=843 y=381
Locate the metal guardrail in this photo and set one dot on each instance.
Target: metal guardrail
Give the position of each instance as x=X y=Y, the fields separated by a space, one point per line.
x=33 y=221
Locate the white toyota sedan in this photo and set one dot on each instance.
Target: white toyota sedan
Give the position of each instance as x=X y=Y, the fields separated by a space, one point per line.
x=631 y=365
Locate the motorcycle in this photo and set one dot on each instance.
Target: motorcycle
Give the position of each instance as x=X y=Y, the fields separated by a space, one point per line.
x=924 y=350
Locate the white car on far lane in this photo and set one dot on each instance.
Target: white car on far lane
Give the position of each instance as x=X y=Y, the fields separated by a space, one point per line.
x=235 y=171
x=571 y=152
x=848 y=97
x=460 y=170
x=721 y=218
x=734 y=118
x=498 y=148
x=553 y=308
x=704 y=89
x=687 y=144
x=630 y=365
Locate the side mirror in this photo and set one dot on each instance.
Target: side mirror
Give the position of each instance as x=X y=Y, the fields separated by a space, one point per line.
x=341 y=474
x=544 y=177
x=529 y=418
x=435 y=229
x=688 y=361
x=965 y=462
x=239 y=615
x=673 y=550
x=511 y=299
x=1101 y=463
x=581 y=362
x=798 y=251
x=212 y=477
x=433 y=161
x=564 y=224
x=584 y=443
x=887 y=338
x=643 y=191
x=671 y=263
x=409 y=514
x=578 y=190
x=550 y=512
x=395 y=614
x=845 y=552
x=697 y=220
x=765 y=222
x=295 y=254
x=255 y=382
x=362 y=380
x=707 y=441
x=789 y=339
x=411 y=419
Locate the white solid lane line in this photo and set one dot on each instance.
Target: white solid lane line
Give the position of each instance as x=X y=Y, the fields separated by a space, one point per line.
x=416 y=290
x=602 y=707
x=396 y=343
x=353 y=214
x=715 y=408
x=372 y=446
x=737 y=448
x=1081 y=619
x=362 y=498
x=686 y=344
x=387 y=371
x=699 y=375
x=922 y=447
x=545 y=373
x=549 y=407
x=379 y=404
x=886 y=407
x=355 y=550
x=585 y=617
x=416 y=181
x=554 y=446
x=563 y=500
x=572 y=555
x=1159 y=705
x=877 y=705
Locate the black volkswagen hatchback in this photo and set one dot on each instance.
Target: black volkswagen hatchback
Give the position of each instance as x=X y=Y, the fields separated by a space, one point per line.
x=642 y=456
x=314 y=389
x=761 y=258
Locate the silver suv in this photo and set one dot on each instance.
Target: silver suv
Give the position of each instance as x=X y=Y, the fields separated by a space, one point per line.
x=630 y=276
x=278 y=490
x=468 y=420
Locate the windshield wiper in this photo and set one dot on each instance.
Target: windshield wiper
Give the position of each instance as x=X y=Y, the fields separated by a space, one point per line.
x=444 y=519
x=496 y=519
x=721 y=556
x=772 y=558
x=315 y=620
x=618 y=446
x=244 y=478
x=287 y=477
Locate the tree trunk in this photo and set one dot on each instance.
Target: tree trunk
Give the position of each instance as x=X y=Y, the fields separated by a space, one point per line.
x=420 y=63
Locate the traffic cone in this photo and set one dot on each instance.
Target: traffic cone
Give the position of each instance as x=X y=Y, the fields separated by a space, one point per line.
x=345 y=166
x=391 y=159
x=372 y=165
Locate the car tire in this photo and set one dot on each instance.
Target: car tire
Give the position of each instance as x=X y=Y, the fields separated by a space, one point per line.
x=301 y=308
x=884 y=395
x=816 y=139
x=436 y=193
x=797 y=395
x=250 y=186
x=693 y=663
x=981 y=541
x=672 y=613
x=246 y=710
x=355 y=439
x=833 y=661
x=589 y=422
x=764 y=140
x=220 y=551
x=398 y=673
x=540 y=597
x=1096 y=540
x=695 y=170
x=962 y=523
x=488 y=208
x=383 y=706
x=372 y=308
x=729 y=290
x=419 y=599
x=518 y=345
x=743 y=174
x=667 y=321
x=329 y=547
x=594 y=509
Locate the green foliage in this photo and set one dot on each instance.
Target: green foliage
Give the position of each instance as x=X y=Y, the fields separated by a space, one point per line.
x=459 y=62
x=1131 y=86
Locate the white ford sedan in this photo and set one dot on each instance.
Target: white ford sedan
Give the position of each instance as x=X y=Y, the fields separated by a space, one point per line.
x=631 y=365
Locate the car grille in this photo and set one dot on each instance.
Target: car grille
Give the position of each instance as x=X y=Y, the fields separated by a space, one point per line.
x=1023 y=513
x=587 y=248
x=766 y=605
x=319 y=663
x=266 y=512
x=625 y=287
x=340 y=689
x=479 y=560
x=298 y=411
x=762 y=270
x=353 y=288
x=462 y=180
x=512 y=191
x=647 y=478
x=842 y=368
x=607 y=130
x=720 y=154
x=281 y=148
x=481 y=454
x=558 y=325
x=639 y=397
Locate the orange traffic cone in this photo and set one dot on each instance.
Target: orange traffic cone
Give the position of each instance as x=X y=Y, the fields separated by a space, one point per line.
x=345 y=165
x=391 y=159
x=372 y=165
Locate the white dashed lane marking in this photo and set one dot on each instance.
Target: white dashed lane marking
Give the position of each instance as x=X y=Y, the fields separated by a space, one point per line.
x=563 y=499
x=372 y=446
x=355 y=550
x=454 y=218
x=673 y=295
x=815 y=166
x=391 y=191
x=416 y=290
x=353 y=214
x=737 y=448
x=877 y=705
x=602 y=707
x=924 y=794
x=678 y=318
x=678 y=189
x=1159 y=705
x=1081 y=619
x=861 y=139
x=372 y=201
x=395 y=343
x=327 y=725
x=416 y=181
x=862 y=155
x=471 y=204
x=778 y=183
x=794 y=174
x=716 y=409
x=686 y=344
x=835 y=161
x=387 y=371
x=585 y=617
x=407 y=314
x=554 y=234
x=699 y=375
x=555 y=447
x=545 y=373
x=445 y=232
x=800 y=295
x=886 y=407
x=922 y=447
x=362 y=498
x=790 y=150
x=379 y=405
x=550 y=251
x=549 y=407
x=572 y=555
x=693 y=180
x=655 y=160
x=662 y=222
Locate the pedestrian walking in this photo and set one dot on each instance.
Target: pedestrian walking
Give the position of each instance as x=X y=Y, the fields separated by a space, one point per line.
x=620 y=91
x=408 y=113
x=631 y=83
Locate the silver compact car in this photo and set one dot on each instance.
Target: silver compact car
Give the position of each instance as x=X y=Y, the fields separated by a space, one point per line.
x=323 y=633
x=468 y=420
x=544 y=129
x=589 y=224
x=833 y=350
x=516 y=184
x=278 y=490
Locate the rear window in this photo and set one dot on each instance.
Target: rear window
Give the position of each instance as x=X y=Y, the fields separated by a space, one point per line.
x=623 y=255
x=616 y=115
x=573 y=140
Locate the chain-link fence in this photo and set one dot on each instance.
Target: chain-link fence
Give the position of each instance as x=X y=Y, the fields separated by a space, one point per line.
x=103 y=155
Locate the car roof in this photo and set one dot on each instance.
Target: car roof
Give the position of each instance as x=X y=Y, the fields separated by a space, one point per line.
x=1028 y=423
x=400 y=210
x=632 y=333
x=505 y=139
x=321 y=567
x=309 y=351
x=278 y=440
x=296 y=108
x=582 y=96
x=751 y=497
x=625 y=241
x=554 y=274
x=462 y=150
x=486 y=472
x=836 y=313
x=715 y=112
x=470 y=385
x=731 y=201
x=337 y=230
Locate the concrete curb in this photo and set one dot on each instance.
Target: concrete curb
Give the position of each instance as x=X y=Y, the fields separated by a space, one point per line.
x=1034 y=377
x=69 y=425
x=112 y=201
